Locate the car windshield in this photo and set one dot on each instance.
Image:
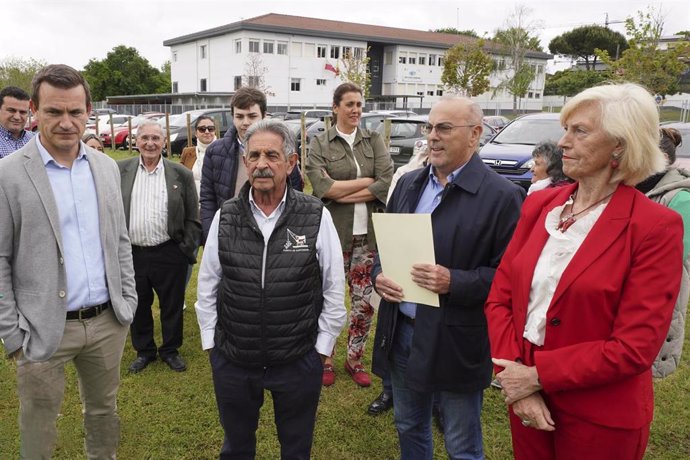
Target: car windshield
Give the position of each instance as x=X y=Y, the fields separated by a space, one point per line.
x=405 y=130
x=530 y=131
x=179 y=120
x=683 y=150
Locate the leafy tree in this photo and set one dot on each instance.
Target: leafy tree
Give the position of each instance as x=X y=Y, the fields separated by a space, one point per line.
x=659 y=70
x=165 y=79
x=466 y=68
x=582 y=41
x=570 y=82
x=518 y=37
x=19 y=72
x=122 y=72
x=354 y=68
x=453 y=30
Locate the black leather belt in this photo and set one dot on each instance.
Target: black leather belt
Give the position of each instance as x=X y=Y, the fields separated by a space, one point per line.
x=89 y=312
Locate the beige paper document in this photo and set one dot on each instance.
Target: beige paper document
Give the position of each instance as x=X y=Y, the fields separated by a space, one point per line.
x=404 y=240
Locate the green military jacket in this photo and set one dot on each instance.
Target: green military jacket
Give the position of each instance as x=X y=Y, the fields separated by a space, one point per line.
x=330 y=159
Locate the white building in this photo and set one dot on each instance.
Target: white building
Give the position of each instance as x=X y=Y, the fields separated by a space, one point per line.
x=298 y=58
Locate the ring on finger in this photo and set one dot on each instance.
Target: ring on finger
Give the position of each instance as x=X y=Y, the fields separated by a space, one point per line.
x=526 y=422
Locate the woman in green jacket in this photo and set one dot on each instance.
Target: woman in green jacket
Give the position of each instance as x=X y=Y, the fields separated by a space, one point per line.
x=351 y=170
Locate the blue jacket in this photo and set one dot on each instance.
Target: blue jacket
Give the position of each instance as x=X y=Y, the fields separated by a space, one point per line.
x=472 y=227
x=218 y=176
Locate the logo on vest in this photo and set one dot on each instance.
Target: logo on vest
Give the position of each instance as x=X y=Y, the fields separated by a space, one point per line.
x=295 y=243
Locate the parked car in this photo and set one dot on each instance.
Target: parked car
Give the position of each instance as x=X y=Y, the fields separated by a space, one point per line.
x=488 y=133
x=509 y=152
x=104 y=123
x=178 y=126
x=683 y=150
x=295 y=126
x=122 y=131
x=497 y=122
x=405 y=134
x=314 y=113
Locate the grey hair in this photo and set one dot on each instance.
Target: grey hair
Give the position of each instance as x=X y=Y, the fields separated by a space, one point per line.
x=149 y=123
x=277 y=127
x=553 y=155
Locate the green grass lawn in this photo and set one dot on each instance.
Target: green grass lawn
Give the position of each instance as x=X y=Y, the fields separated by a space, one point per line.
x=168 y=415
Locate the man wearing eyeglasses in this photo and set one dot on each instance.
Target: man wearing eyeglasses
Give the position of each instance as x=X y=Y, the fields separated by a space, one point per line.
x=223 y=174
x=161 y=209
x=446 y=350
x=270 y=299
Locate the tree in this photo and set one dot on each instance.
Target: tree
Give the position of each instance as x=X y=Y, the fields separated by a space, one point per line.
x=466 y=68
x=165 y=79
x=643 y=62
x=514 y=41
x=122 y=72
x=354 y=68
x=19 y=72
x=582 y=41
x=570 y=82
x=255 y=74
x=453 y=30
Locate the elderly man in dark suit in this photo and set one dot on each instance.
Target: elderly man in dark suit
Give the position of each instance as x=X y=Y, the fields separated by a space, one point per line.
x=446 y=350
x=66 y=285
x=161 y=206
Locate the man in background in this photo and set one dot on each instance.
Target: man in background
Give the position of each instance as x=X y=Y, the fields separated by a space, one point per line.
x=14 y=111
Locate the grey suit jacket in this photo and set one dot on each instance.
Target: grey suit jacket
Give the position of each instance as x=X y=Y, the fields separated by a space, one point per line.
x=184 y=226
x=32 y=275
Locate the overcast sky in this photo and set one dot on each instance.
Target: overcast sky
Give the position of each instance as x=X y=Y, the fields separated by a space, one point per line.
x=74 y=31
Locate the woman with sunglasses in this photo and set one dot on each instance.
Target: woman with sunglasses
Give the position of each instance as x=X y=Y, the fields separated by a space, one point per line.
x=351 y=170
x=193 y=157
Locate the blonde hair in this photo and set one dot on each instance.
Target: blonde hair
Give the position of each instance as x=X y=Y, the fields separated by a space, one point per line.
x=628 y=115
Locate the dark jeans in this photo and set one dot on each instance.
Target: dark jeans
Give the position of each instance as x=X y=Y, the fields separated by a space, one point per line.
x=295 y=388
x=161 y=269
x=412 y=411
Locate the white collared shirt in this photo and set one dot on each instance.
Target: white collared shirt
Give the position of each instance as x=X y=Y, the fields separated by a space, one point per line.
x=558 y=251
x=148 y=211
x=361 y=218
x=328 y=253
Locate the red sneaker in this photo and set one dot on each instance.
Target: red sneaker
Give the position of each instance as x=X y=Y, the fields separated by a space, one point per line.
x=328 y=377
x=359 y=375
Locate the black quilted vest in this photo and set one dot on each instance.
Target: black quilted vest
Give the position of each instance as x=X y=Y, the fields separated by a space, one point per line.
x=277 y=324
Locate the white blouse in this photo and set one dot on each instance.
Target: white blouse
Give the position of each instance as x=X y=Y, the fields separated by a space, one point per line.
x=555 y=257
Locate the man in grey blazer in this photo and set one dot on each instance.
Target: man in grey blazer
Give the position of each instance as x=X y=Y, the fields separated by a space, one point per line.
x=67 y=288
x=162 y=211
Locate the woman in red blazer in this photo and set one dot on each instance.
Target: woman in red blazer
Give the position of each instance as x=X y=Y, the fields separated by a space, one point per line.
x=583 y=297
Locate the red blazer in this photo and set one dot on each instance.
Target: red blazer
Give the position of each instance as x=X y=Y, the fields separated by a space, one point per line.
x=610 y=312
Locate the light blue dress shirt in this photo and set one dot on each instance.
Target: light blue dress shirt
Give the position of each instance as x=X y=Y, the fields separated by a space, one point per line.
x=431 y=197
x=77 y=203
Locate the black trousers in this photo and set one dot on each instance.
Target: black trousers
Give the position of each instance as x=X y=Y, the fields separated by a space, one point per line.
x=162 y=269
x=295 y=388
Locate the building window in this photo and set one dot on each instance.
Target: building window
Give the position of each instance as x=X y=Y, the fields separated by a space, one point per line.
x=174 y=90
x=309 y=49
x=347 y=52
x=202 y=84
x=501 y=64
x=238 y=46
x=295 y=84
x=430 y=92
x=175 y=57
x=413 y=58
x=402 y=58
x=537 y=95
x=320 y=82
x=432 y=59
x=422 y=59
x=253 y=81
x=440 y=61
x=282 y=48
x=530 y=95
x=253 y=46
x=335 y=52
x=388 y=58
x=439 y=92
x=238 y=82
x=296 y=49
x=268 y=47
x=359 y=53
x=202 y=51
x=321 y=51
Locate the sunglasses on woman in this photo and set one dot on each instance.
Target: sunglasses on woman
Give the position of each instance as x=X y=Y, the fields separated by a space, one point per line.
x=206 y=129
